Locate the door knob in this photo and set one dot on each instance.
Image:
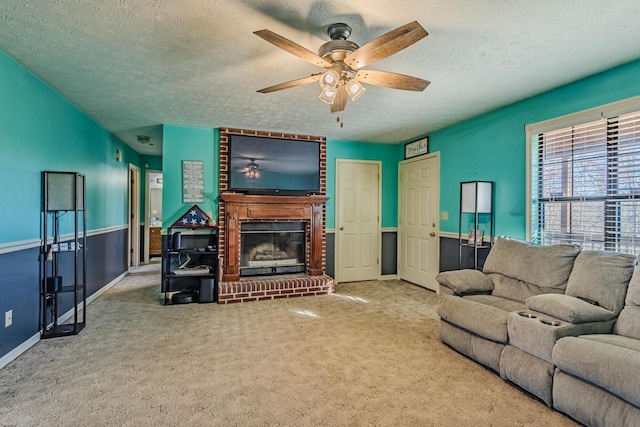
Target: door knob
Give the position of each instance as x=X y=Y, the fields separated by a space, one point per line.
x=341 y=228
x=432 y=234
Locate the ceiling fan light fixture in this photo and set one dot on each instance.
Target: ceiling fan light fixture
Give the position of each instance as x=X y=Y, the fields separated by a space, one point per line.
x=329 y=80
x=253 y=170
x=355 y=89
x=252 y=174
x=328 y=95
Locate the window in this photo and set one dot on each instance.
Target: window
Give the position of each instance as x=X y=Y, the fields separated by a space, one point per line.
x=585 y=184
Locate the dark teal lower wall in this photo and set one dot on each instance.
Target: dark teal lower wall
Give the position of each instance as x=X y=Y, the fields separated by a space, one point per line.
x=20 y=283
x=450 y=255
x=330 y=264
x=389 y=260
x=21 y=293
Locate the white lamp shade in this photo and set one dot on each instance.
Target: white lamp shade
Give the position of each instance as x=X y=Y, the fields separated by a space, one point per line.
x=328 y=95
x=484 y=196
x=329 y=79
x=354 y=89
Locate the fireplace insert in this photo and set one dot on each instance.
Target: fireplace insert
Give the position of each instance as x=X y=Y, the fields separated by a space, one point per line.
x=272 y=247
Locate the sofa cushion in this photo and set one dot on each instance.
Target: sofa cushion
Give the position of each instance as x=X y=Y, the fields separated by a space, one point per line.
x=633 y=291
x=484 y=315
x=568 y=308
x=545 y=266
x=628 y=323
x=466 y=281
x=602 y=277
x=591 y=406
x=609 y=361
x=508 y=287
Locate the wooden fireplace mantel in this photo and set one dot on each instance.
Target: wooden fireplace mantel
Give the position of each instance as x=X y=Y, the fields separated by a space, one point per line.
x=243 y=207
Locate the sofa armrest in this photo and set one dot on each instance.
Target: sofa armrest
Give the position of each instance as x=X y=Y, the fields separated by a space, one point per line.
x=465 y=282
x=570 y=309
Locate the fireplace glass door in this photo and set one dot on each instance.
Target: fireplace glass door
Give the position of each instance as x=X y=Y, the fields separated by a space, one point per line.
x=272 y=248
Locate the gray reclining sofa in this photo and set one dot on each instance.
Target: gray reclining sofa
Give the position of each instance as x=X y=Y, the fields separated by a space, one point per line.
x=511 y=317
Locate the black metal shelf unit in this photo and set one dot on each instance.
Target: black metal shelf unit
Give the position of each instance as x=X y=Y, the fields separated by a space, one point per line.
x=63 y=256
x=476 y=221
x=190 y=265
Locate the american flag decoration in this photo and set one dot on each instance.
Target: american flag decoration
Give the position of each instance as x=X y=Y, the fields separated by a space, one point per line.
x=194 y=218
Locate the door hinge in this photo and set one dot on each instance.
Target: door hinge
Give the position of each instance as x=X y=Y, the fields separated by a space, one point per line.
x=378 y=261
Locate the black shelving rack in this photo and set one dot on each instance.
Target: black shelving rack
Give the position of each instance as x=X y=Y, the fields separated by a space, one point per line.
x=63 y=254
x=476 y=203
x=190 y=264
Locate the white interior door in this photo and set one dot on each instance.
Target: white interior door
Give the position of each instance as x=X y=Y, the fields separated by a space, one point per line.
x=419 y=245
x=357 y=221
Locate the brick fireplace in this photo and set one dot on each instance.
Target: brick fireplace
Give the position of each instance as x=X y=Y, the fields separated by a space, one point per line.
x=236 y=209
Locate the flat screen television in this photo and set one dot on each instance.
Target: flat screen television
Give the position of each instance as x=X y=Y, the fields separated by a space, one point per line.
x=262 y=165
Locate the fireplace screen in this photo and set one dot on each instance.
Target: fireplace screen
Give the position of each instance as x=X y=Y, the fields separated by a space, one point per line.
x=272 y=248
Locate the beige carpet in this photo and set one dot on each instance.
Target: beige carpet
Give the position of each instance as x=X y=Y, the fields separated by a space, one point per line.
x=367 y=355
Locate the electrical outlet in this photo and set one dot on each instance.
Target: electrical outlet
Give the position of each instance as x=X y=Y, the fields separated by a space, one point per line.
x=8 y=318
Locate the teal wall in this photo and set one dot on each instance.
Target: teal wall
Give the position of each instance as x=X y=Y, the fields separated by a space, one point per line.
x=149 y=163
x=152 y=162
x=187 y=143
x=388 y=154
x=41 y=130
x=492 y=146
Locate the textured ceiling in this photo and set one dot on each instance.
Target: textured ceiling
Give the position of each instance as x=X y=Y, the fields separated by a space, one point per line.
x=136 y=64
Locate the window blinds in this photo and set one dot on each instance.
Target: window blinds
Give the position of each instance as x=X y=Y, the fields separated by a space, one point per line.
x=586 y=185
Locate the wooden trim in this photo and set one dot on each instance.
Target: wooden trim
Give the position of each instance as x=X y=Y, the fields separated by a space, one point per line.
x=243 y=207
x=240 y=198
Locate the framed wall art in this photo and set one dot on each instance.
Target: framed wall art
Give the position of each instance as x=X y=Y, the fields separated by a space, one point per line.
x=416 y=148
x=192 y=181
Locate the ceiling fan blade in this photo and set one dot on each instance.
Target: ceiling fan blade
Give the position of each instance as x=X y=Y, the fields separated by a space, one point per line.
x=386 y=45
x=340 y=101
x=293 y=48
x=391 y=80
x=292 y=83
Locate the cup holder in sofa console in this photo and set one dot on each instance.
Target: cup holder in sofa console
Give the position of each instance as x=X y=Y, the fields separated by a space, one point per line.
x=527 y=315
x=550 y=322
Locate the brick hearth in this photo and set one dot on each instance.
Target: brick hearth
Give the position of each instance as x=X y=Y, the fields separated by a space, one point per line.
x=273 y=287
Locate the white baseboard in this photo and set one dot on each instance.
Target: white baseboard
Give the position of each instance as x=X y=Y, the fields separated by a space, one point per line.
x=389 y=277
x=13 y=354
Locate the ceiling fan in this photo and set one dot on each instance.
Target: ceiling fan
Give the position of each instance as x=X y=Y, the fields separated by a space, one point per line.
x=343 y=61
x=252 y=170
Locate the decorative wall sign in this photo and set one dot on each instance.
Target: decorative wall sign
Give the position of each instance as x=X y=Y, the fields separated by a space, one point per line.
x=416 y=148
x=192 y=181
